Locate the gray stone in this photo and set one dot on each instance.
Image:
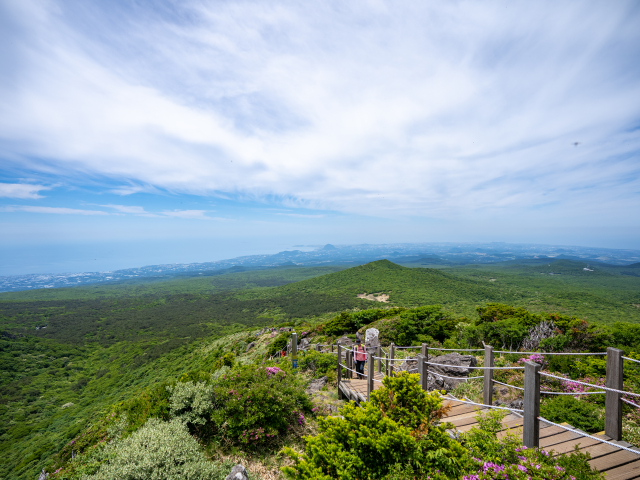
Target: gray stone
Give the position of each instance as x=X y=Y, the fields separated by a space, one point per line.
x=237 y=473
x=304 y=344
x=436 y=379
x=43 y=475
x=316 y=385
x=371 y=337
x=358 y=336
x=345 y=342
x=517 y=404
x=250 y=346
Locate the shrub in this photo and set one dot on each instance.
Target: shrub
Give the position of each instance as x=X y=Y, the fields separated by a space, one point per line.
x=363 y=444
x=280 y=343
x=191 y=402
x=319 y=364
x=255 y=406
x=403 y=400
x=578 y=413
x=158 y=450
x=391 y=435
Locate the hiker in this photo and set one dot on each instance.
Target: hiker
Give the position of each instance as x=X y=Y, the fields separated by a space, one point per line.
x=360 y=355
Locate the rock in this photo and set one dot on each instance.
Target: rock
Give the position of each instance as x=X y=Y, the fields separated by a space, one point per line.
x=43 y=475
x=316 y=385
x=371 y=340
x=250 y=346
x=67 y=405
x=518 y=404
x=345 y=342
x=409 y=365
x=438 y=373
x=304 y=344
x=237 y=473
x=358 y=336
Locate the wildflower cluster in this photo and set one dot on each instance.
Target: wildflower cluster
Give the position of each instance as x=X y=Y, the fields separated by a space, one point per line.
x=530 y=464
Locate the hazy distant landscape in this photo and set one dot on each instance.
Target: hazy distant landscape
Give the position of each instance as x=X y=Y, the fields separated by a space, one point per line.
x=434 y=255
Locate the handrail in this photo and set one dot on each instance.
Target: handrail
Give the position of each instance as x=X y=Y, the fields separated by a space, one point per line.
x=591 y=385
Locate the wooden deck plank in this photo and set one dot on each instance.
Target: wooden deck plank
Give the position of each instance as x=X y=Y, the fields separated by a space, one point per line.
x=612 y=460
x=584 y=443
x=625 y=472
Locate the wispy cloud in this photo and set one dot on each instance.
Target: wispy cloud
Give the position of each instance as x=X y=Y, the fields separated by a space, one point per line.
x=21 y=190
x=51 y=210
x=193 y=214
x=431 y=109
x=135 y=210
x=301 y=215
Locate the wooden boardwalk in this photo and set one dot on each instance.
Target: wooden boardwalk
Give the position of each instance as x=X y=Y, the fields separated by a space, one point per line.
x=618 y=464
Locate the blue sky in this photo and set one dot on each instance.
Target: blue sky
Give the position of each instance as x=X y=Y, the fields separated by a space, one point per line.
x=142 y=132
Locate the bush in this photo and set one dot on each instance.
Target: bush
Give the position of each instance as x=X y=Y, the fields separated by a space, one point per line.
x=256 y=406
x=578 y=413
x=391 y=435
x=319 y=364
x=191 y=402
x=158 y=450
x=279 y=344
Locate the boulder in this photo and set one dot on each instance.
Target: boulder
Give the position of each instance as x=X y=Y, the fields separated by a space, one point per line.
x=304 y=344
x=371 y=337
x=345 y=342
x=518 y=404
x=437 y=374
x=358 y=336
x=43 y=475
x=409 y=365
x=237 y=473
x=250 y=346
x=316 y=385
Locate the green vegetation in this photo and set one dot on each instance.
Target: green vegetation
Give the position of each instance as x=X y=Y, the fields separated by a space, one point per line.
x=398 y=435
x=116 y=348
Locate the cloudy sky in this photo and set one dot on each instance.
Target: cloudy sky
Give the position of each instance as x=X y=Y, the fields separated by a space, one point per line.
x=137 y=132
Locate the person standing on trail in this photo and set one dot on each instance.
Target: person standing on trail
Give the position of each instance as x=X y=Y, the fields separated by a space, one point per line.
x=360 y=355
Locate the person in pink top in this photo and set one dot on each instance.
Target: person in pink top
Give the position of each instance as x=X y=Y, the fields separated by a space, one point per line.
x=360 y=356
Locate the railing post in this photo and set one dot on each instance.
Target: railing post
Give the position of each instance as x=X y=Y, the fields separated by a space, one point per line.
x=424 y=349
x=487 y=387
x=379 y=355
x=386 y=365
x=423 y=372
x=349 y=362
x=530 y=421
x=318 y=347
x=332 y=348
x=392 y=356
x=370 y=374
x=339 y=371
x=612 y=403
x=294 y=350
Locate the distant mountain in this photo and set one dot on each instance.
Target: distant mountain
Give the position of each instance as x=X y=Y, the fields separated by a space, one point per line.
x=416 y=254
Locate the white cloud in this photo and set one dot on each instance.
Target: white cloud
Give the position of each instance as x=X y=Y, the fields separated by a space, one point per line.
x=51 y=210
x=21 y=190
x=193 y=214
x=135 y=210
x=429 y=109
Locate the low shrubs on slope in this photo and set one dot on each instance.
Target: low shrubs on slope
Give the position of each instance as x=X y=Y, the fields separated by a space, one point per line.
x=398 y=435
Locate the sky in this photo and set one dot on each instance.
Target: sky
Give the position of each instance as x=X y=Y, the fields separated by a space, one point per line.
x=142 y=132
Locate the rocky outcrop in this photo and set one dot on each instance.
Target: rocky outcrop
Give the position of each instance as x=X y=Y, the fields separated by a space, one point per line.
x=345 y=342
x=250 y=346
x=237 y=473
x=316 y=385
x=304 y=344
x=461 y=367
